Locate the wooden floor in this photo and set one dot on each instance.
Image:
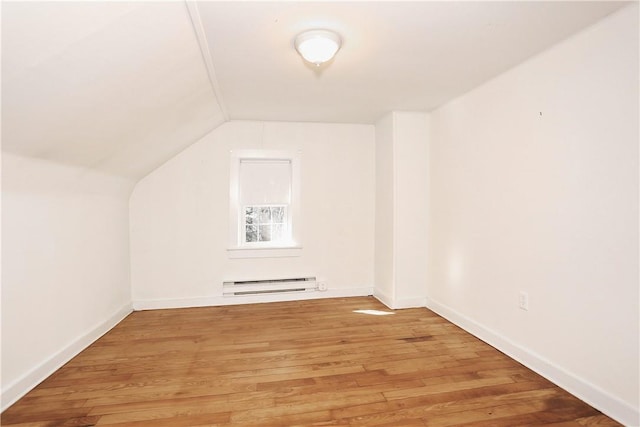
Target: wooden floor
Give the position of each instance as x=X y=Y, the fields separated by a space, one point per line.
x=310 y=363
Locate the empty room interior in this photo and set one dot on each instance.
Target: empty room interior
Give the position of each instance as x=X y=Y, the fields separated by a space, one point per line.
x=320 y=213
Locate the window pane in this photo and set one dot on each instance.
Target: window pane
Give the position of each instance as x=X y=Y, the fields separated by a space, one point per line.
x=265 y=215
x=265 y=224
x=277 y=214
x=250 y=215
x=251 y=233
x=278 y=232
x=265 y=233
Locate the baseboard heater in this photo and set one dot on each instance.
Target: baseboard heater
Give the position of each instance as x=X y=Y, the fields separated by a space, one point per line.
x=272 y=286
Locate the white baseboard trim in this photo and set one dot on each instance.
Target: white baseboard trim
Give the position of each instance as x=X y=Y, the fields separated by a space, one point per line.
x=158 y=304
x=20 y=387
x=399 y=303
x=581 y=388
x=383 y=297
x=414 y=302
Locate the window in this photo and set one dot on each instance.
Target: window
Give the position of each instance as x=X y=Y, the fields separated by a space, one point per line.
x=266 y=223
x=264 y=203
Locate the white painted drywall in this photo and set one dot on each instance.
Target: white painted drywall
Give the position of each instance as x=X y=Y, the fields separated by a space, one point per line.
x=384 y=232
x=411 y=207
x=401 y=209
x=65 y=265
x=180 y=215
x=534 y=186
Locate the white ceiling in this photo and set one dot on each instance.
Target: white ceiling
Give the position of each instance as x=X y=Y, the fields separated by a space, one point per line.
x=115 y=86
x=395 y=55
x=121 y=87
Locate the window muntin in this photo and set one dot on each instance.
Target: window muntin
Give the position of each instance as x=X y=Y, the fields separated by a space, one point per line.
x=265 y=223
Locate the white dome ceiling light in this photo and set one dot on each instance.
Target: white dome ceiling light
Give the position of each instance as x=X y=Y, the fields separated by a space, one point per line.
x=317 y=46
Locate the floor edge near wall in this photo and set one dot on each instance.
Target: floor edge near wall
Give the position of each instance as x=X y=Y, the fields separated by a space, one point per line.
x=13 y=392
x=584 y=390
x=158 y=304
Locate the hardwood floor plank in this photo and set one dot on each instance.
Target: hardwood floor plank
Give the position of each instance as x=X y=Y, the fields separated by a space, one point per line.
x=299 y=363
x=596 y=420
x=287 y=408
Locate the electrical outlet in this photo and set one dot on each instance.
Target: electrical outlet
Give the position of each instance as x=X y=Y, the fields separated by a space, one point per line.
x=322 y=286
x=523 y=301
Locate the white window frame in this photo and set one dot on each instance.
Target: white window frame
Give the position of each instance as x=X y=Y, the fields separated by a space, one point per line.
x=237 y=247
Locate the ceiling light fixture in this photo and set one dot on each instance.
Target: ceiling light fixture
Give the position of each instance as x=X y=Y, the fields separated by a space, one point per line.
x=317 y=46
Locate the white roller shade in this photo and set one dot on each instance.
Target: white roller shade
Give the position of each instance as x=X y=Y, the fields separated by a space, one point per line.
x=265 y=182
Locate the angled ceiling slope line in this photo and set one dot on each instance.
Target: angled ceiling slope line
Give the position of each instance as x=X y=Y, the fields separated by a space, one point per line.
x=196 y=21
x=117 y=87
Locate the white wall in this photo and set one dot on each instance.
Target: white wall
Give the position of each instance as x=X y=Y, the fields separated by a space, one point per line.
x=385 y=204
x=401 y=209
x=534 y=185
x=65 y=266
x=411 y=206
x=180 y=216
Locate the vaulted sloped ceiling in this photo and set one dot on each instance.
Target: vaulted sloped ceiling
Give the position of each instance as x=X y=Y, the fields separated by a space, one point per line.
x=119 y=87
x=396 y=55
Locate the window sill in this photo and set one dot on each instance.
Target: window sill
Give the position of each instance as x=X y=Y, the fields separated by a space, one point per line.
x=268 y=252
